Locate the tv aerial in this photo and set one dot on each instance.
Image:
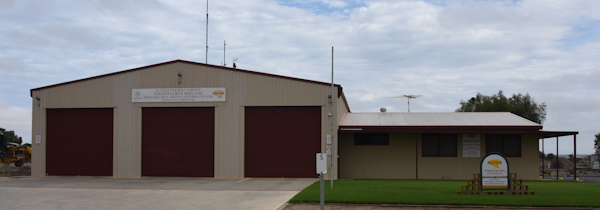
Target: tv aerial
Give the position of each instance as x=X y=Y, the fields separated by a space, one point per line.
x=408 y=97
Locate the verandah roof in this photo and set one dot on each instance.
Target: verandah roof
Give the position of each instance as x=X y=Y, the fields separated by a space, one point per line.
x=445 y=122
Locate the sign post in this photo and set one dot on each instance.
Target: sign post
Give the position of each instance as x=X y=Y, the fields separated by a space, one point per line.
x=322 y=169
x=494 y=172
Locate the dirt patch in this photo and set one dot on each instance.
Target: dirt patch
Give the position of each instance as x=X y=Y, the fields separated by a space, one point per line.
x=307 y=206
x=8 y=170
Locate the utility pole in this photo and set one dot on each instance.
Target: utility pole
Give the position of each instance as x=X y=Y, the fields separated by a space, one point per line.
x=333 y=114
x=206 y=61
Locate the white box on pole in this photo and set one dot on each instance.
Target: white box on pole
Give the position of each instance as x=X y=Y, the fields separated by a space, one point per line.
x=321 y=163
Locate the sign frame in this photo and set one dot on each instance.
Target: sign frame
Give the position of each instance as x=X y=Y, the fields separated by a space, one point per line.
x=471 y=145
x=491 y=178
x=321 y=163
x=178 y=95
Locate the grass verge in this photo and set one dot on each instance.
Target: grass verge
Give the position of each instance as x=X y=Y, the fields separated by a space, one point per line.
x=439 y=192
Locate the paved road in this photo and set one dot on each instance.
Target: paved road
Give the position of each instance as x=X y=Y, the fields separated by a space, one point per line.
x=147 y=193
x=581 y=179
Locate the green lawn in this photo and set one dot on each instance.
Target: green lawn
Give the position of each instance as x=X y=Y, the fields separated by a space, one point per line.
x=438 y=192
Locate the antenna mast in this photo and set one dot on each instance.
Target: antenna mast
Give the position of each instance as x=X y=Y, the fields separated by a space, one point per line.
x=408 y=97
x=206 y=61
x=224 y=61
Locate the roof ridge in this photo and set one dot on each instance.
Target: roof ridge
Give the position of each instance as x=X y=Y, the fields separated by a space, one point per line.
x=181 y=61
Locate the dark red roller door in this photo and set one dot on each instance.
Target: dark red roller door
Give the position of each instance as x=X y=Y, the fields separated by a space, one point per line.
x=178 y=142
x=282 y=141
x=79 y=142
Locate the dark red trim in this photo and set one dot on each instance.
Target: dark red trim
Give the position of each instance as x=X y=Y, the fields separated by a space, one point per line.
x=550 y=134
x=574 y=157
x=443 y=129
x=188 y=62
x=533 y=130
x=447 y=127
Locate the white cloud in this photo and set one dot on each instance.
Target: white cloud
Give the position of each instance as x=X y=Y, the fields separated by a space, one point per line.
x=10 y=64
x=17 y=119
x=335 y=3
x=446 y=52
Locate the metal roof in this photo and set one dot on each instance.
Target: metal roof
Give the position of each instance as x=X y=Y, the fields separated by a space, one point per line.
x=192 y=63
x=404 y=119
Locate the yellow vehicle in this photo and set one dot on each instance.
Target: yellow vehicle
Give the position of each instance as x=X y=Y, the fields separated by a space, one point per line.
x=14 y=153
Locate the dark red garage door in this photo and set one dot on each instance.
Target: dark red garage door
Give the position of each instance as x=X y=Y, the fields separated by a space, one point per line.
x=282 y=141
x=178 y=142
x=79 y=142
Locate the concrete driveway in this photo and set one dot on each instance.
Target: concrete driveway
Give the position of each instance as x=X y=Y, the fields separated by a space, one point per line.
x=147 y=193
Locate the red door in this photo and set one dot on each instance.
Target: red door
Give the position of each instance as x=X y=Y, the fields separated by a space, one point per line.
x=178 y=142
x=282 y=141
x=79 y=142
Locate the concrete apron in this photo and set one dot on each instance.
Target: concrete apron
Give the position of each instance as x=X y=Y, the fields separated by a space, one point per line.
x=147 y=193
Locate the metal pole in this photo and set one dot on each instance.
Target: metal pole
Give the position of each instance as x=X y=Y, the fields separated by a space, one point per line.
x=543 y=158
x=322 y=193
x=557 y=158
x=206 y=61
x=332 y=120
x=417 y=156
x=575 y=157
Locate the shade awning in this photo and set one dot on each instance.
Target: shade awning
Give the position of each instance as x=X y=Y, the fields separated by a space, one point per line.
x=551 y=134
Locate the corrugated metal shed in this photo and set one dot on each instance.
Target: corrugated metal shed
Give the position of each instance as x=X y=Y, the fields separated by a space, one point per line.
x=436 y=119
x=244 y=88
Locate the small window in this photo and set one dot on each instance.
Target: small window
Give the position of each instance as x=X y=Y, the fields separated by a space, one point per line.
x=371 y=139
x=507 y=144
x=439 y=145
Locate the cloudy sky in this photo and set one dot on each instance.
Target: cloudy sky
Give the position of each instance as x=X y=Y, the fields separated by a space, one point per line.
x=443 y=50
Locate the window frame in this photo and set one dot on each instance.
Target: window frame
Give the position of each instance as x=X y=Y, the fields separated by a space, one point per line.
x=439 y=138
x=502 y=138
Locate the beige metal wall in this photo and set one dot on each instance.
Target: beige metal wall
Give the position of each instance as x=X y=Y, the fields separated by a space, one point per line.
x=394 y=161
x=242 y=89
x=397 y=161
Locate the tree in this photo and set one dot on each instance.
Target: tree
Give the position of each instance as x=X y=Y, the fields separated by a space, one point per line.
x=597 y=144
x=10 y=136
x=553 y=164
x=550 y=156
x=519 y=104
x=542 y=155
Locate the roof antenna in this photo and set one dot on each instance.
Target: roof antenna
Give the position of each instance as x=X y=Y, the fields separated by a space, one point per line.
x=224 y=61
x=408 y=97
x=234 y=60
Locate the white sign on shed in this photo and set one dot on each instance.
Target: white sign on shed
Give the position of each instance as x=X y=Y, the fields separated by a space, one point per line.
x=217 y=94
x=471 y=145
